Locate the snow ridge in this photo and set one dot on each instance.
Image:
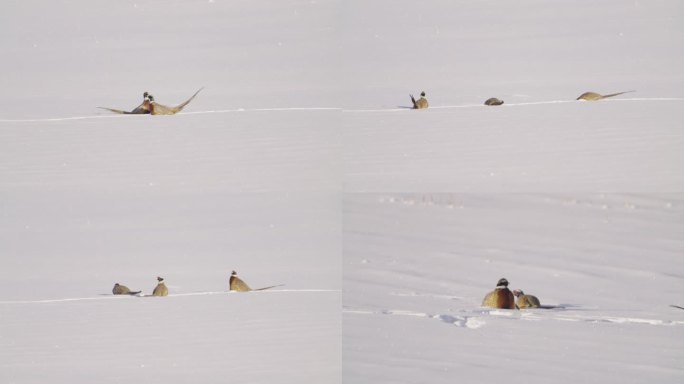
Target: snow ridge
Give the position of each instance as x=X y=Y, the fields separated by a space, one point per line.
x=480 y=105
x=123 y=297
x=49 y=119
x=286 y=109
x=478 y=318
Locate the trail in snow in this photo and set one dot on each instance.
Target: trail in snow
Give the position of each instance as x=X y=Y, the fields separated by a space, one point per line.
x=398 y=109
x=477 y=318
x=480 y=105
x=118 y=116
x=120 y=297
x=266 y=110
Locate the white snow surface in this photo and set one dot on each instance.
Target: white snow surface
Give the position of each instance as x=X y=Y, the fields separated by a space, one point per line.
x=246 y=178
x=301 y=164
x=578 y=203
x=537 y=56
x=417 y=266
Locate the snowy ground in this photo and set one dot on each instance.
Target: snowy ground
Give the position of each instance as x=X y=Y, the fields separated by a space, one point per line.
x=65 y=57
x=303 y=112
x=577 y=203
x=609 y=146
x=416 y=268
x=537 y=56
x=66 y=243
x=279 y=336
x=246 y=178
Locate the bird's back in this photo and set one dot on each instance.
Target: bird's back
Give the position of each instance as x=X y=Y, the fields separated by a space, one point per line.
x=236 y=284
x=499 y=298
x=528 y=301
x=120 y=289
x=160 y=290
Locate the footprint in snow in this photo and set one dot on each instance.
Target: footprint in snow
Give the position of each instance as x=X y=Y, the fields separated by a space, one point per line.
x=467 y=322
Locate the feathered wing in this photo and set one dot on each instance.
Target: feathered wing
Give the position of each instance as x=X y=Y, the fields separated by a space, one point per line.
x=528 y=301
x=490 y=300
x=142 y=109
x=180 y=107
x=160 y=109
x=506 y=299
x=499 y=298
x=139 y=110
x=160 y=290
x=236 y=284
x=413 y=100
x=115 y=110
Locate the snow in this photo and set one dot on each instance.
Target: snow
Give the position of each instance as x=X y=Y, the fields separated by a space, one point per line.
x=211 y=338
x=538 y=57
x=578 y=203
x=300 y=164
x=417 y=266
x=246 y=178
x=581 y=147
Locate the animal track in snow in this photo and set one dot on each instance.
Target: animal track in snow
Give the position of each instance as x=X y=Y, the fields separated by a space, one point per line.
x=109 y=296
x=477 y=318
x=441 y=200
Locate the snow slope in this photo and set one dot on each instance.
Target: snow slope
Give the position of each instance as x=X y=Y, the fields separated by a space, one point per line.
x=416 y=267
x=607 y=146
x=578 y=203
x=464 y=52
x=538 y=56
x=66 y=57
x=89 y=203
x=304 y=107
x=246 y=178
x=262 y=337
